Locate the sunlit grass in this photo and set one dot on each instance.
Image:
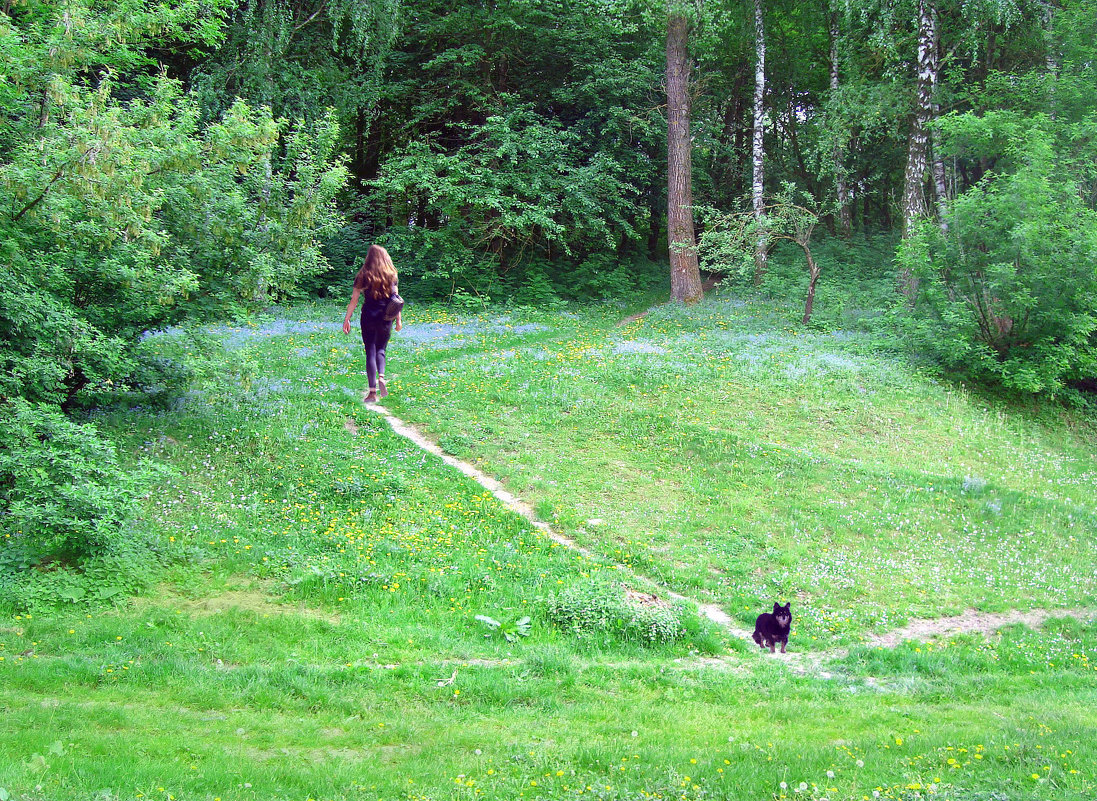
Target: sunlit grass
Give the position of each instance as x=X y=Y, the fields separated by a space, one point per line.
x=735 y=454
x=313 y=634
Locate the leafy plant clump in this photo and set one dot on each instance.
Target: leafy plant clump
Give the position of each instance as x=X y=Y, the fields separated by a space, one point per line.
x=66 y=504
x=63 y=492
x=607 y=609
x=511 y=630
x=1005 y=293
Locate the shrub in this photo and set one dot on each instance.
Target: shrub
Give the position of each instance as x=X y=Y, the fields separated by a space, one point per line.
x=593 y=608
x=63 y=495
x=1008 y=293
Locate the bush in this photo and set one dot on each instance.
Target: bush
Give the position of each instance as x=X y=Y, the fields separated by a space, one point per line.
x=99 y=580
x=605 y=609
x=1008 y=294
x=63 y=495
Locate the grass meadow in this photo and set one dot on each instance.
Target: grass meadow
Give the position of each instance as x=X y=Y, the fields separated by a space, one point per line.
x=310 y=629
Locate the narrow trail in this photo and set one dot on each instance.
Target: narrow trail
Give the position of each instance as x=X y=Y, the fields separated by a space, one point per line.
x=516 y=504
x=708 y=283
x=812 y=663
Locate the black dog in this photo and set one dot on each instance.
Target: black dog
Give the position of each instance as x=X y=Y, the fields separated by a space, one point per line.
x=770 y=629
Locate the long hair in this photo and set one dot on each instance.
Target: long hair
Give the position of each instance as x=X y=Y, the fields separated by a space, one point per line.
x=377 y=276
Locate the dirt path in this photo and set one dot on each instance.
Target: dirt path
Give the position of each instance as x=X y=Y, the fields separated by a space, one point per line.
x=807 y=663
x=708 y=283
x=971 y=622
x=515 y=504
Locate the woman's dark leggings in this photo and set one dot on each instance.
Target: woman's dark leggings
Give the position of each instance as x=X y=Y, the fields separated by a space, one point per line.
x=375 y=337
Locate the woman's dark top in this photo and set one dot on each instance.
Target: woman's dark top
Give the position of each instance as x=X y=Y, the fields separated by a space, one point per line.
x=373 y=310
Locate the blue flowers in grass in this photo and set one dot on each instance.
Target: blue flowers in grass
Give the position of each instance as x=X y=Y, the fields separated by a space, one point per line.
x=630 y=347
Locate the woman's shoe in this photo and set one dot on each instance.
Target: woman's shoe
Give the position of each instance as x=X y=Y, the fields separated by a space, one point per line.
x=382 y=390
x=371 y=396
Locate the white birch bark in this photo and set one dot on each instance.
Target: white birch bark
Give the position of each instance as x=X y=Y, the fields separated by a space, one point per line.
x=841 y=188
x=757 y=150
x=914 y=195
x=940 y=184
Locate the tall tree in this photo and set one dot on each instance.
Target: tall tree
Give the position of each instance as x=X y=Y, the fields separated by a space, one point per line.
x=685 y=276
x=841 y=184
x=758 y=149
x=914 y=195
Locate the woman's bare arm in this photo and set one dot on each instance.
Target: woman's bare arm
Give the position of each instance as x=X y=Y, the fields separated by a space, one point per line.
x=350 y=309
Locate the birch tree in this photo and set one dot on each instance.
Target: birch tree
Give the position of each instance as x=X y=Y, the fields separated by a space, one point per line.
x=914 y=204
x=757 y=148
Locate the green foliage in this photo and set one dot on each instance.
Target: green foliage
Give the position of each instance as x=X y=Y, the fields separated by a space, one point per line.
x=511 y=630
x=123 y=212
x=303 y=60
x=437 y=263
x=1008 y=294
x=605 y=610
x=511 y=134
x=122 y=216
x=103 y=580
x=501 y=192
x=859 y=283
x=729 y=239
x=64 y=493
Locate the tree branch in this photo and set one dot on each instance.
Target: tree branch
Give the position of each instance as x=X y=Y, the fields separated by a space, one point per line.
x=57 y=176
x=311 y=17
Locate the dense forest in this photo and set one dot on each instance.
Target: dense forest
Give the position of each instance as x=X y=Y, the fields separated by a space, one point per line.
x=165 y=161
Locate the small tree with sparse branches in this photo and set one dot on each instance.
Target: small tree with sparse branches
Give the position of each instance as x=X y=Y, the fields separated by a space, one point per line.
x=730 y=240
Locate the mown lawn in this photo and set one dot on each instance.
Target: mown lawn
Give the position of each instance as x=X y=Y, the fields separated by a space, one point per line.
x=312 y=631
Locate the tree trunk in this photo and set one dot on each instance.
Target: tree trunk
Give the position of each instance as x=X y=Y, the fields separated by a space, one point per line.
x=685 y=276
x=940 y=185
x=757 y=151
x=813 y=278
x=845 y=217
x=914 y=195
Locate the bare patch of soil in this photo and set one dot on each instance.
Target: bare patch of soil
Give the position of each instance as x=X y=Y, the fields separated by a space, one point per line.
x=644 y=598
x=248 y=600
x=971 y=622
x=632 y=318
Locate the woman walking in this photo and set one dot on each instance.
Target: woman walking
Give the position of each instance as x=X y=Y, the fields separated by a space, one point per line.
x=376 y=282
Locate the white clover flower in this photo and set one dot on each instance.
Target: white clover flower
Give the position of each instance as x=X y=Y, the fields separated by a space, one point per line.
x=830 y=774
x=860 y=763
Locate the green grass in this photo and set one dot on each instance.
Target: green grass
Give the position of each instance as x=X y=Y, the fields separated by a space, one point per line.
x=735 y=456
x=312 y=632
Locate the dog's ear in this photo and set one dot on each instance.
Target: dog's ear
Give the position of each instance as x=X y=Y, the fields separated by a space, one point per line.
x=776 y=608
x=788 y=606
